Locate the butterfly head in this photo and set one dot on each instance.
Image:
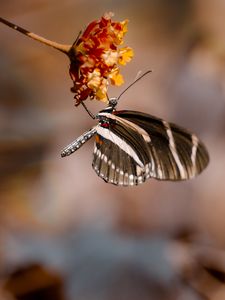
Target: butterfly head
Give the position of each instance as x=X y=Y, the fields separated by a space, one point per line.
x=102 y=116
x=113 y=102
x=111 y=107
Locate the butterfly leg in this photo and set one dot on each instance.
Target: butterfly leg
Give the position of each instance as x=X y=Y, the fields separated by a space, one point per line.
x=88 y=111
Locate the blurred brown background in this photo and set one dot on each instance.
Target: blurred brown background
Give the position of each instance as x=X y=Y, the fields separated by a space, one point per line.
x=108 y=242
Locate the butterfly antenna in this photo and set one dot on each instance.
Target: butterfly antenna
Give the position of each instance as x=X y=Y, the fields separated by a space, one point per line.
x=136 y=80
x=138 y=75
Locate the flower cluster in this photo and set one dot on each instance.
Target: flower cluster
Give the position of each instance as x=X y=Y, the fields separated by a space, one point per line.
x=96 y=56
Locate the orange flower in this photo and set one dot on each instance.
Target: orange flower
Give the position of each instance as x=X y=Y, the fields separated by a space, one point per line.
x=95 y=59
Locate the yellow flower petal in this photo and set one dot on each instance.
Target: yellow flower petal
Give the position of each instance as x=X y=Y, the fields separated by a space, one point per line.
x=125 y=55
x=80 y=48
x=124 y=26
x=100 y=95
x=116 y=78
x=94 y=79
x=120 y=33
x=101 y=92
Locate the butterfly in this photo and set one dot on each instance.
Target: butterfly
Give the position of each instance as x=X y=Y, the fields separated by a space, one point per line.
x=132 y=146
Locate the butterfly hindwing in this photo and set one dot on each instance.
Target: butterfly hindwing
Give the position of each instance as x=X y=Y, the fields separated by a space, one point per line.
x=113 y=163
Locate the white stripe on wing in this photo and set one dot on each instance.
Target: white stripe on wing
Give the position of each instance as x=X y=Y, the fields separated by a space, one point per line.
x=125 y=122
x=174 y=150
x=107 y=134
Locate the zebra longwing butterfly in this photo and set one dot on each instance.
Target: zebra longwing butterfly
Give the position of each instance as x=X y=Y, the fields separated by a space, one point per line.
x=132 y=146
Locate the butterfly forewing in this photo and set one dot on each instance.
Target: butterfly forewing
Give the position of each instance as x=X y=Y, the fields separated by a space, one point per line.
x=174 y=153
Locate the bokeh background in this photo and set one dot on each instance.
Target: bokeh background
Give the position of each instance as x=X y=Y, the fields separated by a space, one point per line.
x=64 y=231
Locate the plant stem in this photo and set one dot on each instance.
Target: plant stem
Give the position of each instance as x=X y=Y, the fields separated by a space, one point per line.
x=63 y=48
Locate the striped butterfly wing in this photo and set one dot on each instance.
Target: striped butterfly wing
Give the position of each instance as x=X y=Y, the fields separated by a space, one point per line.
x=120 y=154
x=112 y=164
x=174 y=153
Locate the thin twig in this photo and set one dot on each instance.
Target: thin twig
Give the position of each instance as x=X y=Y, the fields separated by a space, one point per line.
x=63 y=48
